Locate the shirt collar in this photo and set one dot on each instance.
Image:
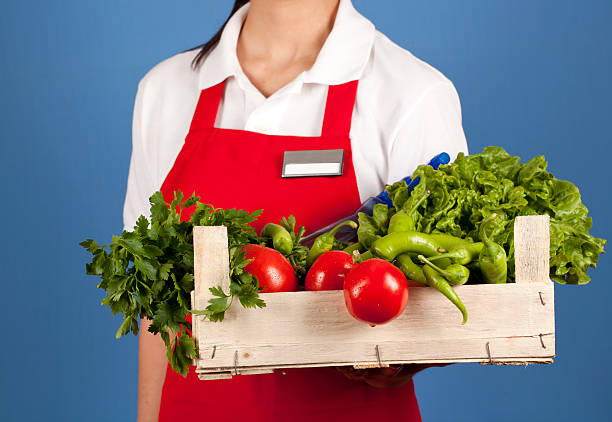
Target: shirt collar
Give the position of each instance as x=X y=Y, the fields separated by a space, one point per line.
x=342 y=58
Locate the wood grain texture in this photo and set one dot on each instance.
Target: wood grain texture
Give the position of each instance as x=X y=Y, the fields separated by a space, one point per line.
x=211 y=268
x=315 y=328
x=194 y=326
x=229 y=373
x=532 y=248
x=309 y=329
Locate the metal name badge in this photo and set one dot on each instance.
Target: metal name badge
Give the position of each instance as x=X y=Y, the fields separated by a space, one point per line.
x=325 y=162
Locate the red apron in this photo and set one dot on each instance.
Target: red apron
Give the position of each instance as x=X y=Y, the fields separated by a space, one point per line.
x=238 y=169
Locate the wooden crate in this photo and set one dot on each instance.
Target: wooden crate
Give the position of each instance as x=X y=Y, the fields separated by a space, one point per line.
x=508 y=323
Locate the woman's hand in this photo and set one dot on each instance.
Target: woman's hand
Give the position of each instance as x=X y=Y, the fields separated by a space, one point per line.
x=392 y=376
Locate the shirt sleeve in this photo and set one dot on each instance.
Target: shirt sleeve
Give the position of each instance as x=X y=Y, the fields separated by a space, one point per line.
x=141 y=180
x=432 y=125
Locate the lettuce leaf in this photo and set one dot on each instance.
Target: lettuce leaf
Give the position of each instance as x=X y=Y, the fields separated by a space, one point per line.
x=473 y=187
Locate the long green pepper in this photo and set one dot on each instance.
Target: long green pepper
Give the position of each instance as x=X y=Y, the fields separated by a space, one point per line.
x=455 y=274
x=404 y=221
x=439 y=283
x=325 y=242
x=353 y=247
x=281 y=239
x=411 y=270
x=462 y=254
x=391 y=245
x=400 y=222
x=492 y=261
x=447 y=241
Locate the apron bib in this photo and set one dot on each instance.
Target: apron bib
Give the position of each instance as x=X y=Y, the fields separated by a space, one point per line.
x=239 y=169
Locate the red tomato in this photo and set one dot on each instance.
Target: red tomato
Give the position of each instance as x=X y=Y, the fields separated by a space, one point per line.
x=273 y=271
x=375 y=291
x=328 y=271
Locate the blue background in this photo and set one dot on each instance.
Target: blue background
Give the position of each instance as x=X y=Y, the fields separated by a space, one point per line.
x=533 y=76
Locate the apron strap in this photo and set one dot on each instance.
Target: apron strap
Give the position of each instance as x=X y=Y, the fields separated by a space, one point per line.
x=339 y=109
x=336 y=121
x=208 y=105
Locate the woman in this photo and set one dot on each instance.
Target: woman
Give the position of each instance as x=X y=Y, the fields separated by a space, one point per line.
x=285 y=75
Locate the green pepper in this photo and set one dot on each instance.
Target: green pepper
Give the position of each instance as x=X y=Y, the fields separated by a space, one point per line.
x=456 y=274
x=391 y=245
x=439 y=283
x=325 y=242
x=411 y=270
x=400 y=222
x=404 y=221
x=448 y=242
x=281 y=239
x=493 y=261
x=353 y=247
x=462 y=254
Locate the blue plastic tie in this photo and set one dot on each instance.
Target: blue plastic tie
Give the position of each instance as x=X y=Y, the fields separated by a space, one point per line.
x=442 y=158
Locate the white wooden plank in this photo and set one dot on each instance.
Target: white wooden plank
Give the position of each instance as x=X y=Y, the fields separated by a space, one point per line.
x=322 y=316
x=231 y=372
x=211 y=377
x=532 y=248
x=228 y=373
x=517 y=349
x=315 y=328
x=211 y=268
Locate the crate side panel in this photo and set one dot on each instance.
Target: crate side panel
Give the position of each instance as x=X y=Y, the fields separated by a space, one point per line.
x=205 y=374
x=513 y=349
x=319 y=323
x=211 y=268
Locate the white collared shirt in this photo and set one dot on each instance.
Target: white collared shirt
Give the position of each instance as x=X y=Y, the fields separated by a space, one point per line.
x=405 y=113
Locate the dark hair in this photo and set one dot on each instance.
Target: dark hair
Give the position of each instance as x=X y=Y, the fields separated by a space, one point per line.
x=207 y=46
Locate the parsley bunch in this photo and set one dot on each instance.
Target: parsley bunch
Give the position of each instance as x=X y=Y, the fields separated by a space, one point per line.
x=148 y=272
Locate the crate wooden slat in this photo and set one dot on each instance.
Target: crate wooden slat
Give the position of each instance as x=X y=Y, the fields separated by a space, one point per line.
x=508 y=324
